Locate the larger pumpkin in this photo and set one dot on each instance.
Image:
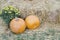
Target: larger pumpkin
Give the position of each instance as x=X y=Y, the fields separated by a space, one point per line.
x=32 y=22
x=17 y=25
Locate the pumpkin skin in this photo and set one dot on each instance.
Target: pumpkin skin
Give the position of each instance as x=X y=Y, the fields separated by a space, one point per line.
x=32 y=22
x=17 y=25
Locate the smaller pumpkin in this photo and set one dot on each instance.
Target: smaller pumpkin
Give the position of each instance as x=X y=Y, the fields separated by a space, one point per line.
x=17 y=25
x=32 y=22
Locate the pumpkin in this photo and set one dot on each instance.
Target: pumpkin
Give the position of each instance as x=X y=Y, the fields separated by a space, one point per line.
x=32 y=22
x=17 y=25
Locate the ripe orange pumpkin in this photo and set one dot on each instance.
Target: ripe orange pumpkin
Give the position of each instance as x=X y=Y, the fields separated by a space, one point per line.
x=32 y=22
x=17 y=25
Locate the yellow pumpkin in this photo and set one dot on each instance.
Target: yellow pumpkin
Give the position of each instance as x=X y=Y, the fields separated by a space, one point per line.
x=17 y=25
x=32 y=22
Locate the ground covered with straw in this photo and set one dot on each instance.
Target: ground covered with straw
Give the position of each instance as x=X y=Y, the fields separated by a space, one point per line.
x=48 y=12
